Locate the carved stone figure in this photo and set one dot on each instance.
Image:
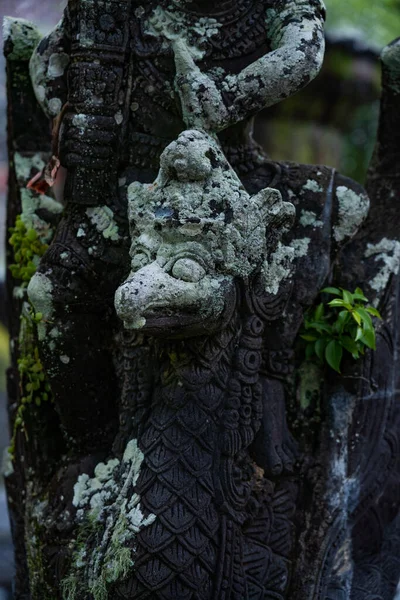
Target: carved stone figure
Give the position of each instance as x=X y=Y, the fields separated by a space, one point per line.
x=190 y=451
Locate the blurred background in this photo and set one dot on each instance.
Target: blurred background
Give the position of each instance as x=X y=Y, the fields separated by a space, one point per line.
x=333 y=121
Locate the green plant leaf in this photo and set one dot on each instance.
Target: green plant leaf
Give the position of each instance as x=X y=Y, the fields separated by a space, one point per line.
x=342 y=319
x=359 y=334
x=347 y=297
x=366 y=319
x=359 y=295
x=356 y=317
x=309 y=351
x=349 y=345
x=331 y=290
x=319 y=312
x=372 y=311
x=333 y=355
x=329 y=332
x=321 y=327
x=309 y=338
x=31 y=235
x=360 y=298
x=337 y=302
x=368 y=338
x=319 y=347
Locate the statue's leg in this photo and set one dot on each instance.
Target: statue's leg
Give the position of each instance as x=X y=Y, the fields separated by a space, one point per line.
x=74 y=290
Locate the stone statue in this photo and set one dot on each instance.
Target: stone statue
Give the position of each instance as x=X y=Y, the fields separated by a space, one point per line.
x=190 y=451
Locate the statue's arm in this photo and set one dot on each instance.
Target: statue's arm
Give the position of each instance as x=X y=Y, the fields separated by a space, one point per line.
x=48 y=68
x=297 y=40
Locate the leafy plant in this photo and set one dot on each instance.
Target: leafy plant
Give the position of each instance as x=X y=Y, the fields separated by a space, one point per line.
x=27 y=249
x=343 y=324
x=34 y=387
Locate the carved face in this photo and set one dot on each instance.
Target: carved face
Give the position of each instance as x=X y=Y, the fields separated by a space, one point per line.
x=174 y=287
x=194 y=232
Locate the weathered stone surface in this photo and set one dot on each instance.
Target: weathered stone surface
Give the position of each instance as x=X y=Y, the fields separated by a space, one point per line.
x=191 y=450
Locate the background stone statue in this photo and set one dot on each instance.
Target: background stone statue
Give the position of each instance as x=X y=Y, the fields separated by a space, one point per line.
x=189 y=450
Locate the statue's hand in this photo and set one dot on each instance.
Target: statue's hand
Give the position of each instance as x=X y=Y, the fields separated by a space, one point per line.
x=202 y=103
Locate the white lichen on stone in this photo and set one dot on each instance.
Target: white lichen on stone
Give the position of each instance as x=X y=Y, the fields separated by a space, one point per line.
x=387 y=253
x=81 y=122
x=40 y=291
x=109 y=501
x=280 y=265
x=31 y=202
x=19 y=292
x=352 y=210
x=118 y=117
x=92 y=491
x=172 y=25
x=308 y=218
x=313 y=186
x=296 y=57
x=58 y=62
x=23 y=36
x=80 y=233
x=53 y=335
x=300 y=247
x=44 y=68
x=25 y=164
x=102 y=217
x=7 y=28
x=55 y=106
x=7 y=465
x=278 y=268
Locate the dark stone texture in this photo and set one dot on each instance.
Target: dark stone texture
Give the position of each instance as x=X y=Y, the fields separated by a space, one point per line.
x=255 y=493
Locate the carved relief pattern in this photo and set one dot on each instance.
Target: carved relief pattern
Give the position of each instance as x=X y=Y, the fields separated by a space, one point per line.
x=198 y=478
x=233 y=473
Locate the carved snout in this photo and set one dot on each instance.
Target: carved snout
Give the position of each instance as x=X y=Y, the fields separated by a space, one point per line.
x=154 y=298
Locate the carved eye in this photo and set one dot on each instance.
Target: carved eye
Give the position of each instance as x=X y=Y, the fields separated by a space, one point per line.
x=187 y=269
x=140 y=259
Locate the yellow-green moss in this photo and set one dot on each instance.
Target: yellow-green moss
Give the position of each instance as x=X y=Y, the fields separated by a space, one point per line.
x=27 y=249
x=34 y=388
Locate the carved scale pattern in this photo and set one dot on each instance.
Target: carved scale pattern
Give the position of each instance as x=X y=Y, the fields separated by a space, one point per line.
x=212 y=508
x=176 y=555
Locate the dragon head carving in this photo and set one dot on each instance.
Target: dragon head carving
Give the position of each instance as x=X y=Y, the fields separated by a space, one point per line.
x=195 y=231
